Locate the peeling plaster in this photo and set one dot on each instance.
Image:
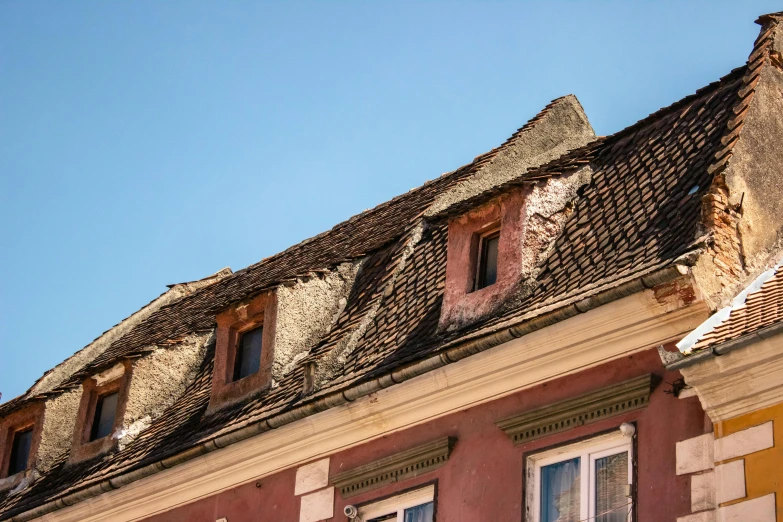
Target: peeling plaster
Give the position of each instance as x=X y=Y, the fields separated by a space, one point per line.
x=306 y=311
x=158 y=379
x=333 y=362
x=59 y=421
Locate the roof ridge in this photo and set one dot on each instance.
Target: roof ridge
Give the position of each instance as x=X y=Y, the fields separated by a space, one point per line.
x=679 y=104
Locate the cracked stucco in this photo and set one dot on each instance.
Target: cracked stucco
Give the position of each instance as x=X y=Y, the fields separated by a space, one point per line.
x=306 y=311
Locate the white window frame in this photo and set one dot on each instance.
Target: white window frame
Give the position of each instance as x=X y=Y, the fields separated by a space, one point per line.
x=588 y=450
x=398 y=503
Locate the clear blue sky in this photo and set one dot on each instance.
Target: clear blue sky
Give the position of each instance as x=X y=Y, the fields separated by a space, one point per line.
x=146 y=143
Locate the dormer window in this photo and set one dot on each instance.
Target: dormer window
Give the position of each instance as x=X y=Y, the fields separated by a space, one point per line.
x=101 y=412
x=248 y=356
x=20 y=435
x=105 y=413
x=487 y=263
x=20 y=451
x=244 y=350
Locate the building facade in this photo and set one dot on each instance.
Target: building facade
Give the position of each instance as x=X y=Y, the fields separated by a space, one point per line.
x=560 y=331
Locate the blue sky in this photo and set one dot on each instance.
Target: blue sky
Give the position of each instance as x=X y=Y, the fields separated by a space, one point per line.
x=146 y=143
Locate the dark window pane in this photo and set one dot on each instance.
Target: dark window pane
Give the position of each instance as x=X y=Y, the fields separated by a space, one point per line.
x=422 y=513
x=560 y=484
x=611 y=477
x=248 y=359
x=20 y=451
x=488 y=261
x=103 y=421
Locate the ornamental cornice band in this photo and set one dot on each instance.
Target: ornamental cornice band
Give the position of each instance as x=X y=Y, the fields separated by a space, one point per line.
x=629 y=395
x=404 y=465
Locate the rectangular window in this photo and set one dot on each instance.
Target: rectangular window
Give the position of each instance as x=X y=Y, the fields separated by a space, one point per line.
x=248 y=357
x=413 y=506
x=20 y=451
x=487 y=266
x=103 y=420
x=585 y=481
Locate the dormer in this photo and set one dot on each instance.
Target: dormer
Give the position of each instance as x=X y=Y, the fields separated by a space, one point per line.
x=501 y=225
x=495 y=249
x=260 y=340
x=101 y=411
x=20 y=436
x=244 y=349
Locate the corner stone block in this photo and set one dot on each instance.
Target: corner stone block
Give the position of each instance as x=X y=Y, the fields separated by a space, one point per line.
x=695 y=454
x=760 y=509
x=311 y=477
x=704 y=516
x=317 y=506
x=703 y=491
x=744 y=442
x=730 y=481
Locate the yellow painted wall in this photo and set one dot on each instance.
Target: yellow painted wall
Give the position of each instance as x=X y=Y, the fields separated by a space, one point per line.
x=763 y=469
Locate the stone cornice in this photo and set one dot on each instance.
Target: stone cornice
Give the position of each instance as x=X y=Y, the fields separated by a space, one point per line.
x=591 y=407
x=403 y=465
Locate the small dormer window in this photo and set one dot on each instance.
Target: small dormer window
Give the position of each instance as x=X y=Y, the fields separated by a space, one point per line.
x=487 y=265
x=20 y=435
x=105 y=413
x=244 y=350
x=101 y=412
x=20 y=451
x=248 y=356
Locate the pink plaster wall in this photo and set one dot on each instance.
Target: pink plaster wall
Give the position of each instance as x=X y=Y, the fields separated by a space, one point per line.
x=483 y=479
x=462 y=305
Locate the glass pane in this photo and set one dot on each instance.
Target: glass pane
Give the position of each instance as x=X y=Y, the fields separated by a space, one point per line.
x=20 y=451
x=611 y=477
x=248 y=359
x=560 y=492
x=488 y=262
x=103 y=422
x=422 y=513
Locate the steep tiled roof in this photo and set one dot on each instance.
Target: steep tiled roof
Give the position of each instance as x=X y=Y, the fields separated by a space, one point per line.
x=757 y=307
x=640 y=212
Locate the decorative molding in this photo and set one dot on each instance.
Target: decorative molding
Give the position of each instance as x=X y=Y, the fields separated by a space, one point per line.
x=741 y=381
x=403 y=465
x=616 y=329
x=629 y=395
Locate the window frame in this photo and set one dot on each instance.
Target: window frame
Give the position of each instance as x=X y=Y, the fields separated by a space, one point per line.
x=237 y=337
x=257 y=312
x=118 y=379
x=398 y=503
x=12 y=439
x=94 y=414
x=26 y=418
x=589 y=450
x=481 y=257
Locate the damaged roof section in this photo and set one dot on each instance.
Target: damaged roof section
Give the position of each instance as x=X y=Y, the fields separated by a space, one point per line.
x=635 y=204
x=757 y=307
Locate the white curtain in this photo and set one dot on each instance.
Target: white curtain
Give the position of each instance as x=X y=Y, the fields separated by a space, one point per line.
x=560 y=498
